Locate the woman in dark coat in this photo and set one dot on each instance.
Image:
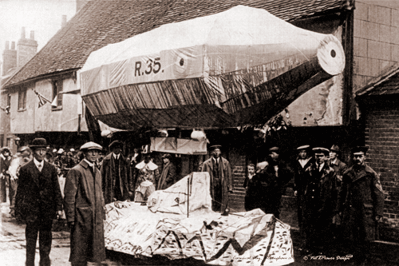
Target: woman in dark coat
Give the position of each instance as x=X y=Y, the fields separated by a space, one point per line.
x=84 y=206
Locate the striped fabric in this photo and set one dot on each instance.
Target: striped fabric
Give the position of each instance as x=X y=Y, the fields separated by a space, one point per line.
x=227 y=100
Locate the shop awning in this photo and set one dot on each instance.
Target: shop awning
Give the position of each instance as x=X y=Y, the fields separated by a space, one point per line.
x=237 y=67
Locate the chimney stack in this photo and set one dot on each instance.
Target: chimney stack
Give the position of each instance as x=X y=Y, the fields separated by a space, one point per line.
x=26 y=48
x=64 y=21
x=23 y=33
x=9 y=57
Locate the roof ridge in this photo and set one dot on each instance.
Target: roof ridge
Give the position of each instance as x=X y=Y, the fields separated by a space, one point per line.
x=385 y=76
x=101 y=22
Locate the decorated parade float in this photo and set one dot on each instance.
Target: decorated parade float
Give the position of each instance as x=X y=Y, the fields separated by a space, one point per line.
x=178 y=223
x=234 y=68
x=226 y=70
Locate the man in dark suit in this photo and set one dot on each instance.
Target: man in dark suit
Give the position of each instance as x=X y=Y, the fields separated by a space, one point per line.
x=38 y=201
x=114 y=171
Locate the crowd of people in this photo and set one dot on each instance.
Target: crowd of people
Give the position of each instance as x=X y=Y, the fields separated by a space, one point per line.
x=45 y=184
x=75 y=185
x=332 y=198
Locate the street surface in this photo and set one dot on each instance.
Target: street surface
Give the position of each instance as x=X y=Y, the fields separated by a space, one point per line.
x=12 y=249
x=12 y=243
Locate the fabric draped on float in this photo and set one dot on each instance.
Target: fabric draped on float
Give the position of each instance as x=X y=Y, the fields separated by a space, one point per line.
x=162 y=228
x=224 y=70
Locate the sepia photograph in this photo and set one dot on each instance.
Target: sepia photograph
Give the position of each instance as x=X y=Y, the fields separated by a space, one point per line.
x=199 y=132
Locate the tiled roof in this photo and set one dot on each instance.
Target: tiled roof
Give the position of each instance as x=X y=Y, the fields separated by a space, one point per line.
x=101 y=22
x=385 y=84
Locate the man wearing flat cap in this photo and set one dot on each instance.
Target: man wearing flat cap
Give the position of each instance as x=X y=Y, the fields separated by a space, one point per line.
x=302 y=162
x=339 y=169
x=320 y=206
x=271 y=182
x=84 y=208
x=221 y=179
x=38 y=201
x=168 y=175
x=115 y=173
x=361 y=187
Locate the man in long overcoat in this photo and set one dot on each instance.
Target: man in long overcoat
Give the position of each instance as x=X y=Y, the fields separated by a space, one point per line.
x=221 y=179
x=320 y=206
x=84 y=207
x=115 y=173
x=168 y=175
x=361 y=188
x=270 y=183
x=38 y=200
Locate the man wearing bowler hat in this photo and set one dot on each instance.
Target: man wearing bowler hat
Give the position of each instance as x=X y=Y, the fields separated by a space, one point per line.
x=84 y=208
x=115 y=173
x=320 y=206
x=38 y=201
x=221 y=179
x=361 y=187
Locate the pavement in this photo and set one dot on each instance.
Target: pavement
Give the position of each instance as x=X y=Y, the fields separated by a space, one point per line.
x=12 y=243
x=12 y=249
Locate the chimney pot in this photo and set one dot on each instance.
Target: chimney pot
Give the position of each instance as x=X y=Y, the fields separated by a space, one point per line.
x=32 y=35
x=23 y=33
x=64 y=21
x=7 y=45
x=12 y=45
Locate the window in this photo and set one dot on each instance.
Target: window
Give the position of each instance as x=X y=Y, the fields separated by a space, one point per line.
x=9 y=101
x=57 y=88
x=22 y=99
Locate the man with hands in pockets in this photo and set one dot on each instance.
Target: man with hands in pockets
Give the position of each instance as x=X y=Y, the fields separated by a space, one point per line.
x=84 y=206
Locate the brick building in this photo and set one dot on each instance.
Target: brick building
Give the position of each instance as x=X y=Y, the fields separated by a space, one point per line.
x=375 y=84
x=380 y=116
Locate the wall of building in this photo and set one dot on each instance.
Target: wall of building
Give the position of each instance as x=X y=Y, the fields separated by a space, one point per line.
x=63 y=120
x=45 y=119
x=376 y=40
x=382 y=135
x=22 y=121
